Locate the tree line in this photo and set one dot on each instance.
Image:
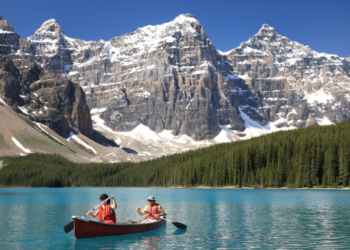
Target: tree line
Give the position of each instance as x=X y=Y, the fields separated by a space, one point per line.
x=308 y=157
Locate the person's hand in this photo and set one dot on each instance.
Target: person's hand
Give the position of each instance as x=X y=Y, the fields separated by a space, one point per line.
x=112 y=196
x=138 y=209
x=156 y=215
x=90 y=212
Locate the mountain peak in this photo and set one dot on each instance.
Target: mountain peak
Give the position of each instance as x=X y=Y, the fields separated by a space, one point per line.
x=187 y=23
x=266 y=31
x=5 y=25
x=50 y=26
x=185 y=19
x=50 y=21
x=187 y=16
x=266 y=26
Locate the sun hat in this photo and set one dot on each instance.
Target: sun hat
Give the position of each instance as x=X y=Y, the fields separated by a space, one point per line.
x=151 y=198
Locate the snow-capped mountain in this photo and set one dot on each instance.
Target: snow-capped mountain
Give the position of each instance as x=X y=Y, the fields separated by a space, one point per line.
x=164 y=76
x=170 y=77
x=45 y=97
x=293 y=81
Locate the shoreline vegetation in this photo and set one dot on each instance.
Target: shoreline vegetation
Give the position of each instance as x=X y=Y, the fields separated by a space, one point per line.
x=248 y=188
x=314 y=157
x=198 y=187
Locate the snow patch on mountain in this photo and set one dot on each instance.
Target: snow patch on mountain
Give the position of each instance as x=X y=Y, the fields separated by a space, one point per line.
x=324 y=121
x=97 y=111
x=224 y=53
x=222 y=137
x=3 y=102
x=78 y=140
x=40 y=125
x=319 y=97
x=254 y=129
x=166 y=135
x=18 y=144
x=143 y=132
x=24 y=110
x=6 y=32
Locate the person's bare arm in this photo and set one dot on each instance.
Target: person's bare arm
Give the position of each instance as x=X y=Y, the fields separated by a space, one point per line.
x=93 y=215
x=114 y=205
x=139 y=211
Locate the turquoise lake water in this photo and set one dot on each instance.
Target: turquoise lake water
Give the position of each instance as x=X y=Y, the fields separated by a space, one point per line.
x=216 y=218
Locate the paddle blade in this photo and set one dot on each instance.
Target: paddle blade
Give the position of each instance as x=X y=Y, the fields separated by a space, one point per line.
x=69 y=227
x=179 y=225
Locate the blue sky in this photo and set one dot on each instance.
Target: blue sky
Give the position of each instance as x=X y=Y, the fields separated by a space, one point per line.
x=323 y=25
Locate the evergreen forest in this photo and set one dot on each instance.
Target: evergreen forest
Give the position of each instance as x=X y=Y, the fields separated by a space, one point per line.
x=307 y=157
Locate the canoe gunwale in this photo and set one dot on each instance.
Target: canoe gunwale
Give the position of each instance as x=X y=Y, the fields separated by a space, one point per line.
x=116 y=224
x=80 y=218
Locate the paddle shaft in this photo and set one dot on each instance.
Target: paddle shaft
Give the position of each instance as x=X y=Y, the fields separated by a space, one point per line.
x=96 y=207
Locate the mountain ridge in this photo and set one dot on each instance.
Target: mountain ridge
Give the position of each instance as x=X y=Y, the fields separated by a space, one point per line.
x=170 y=77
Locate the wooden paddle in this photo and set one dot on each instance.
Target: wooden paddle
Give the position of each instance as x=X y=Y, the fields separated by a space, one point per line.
x=70 y=226
x=176 y=224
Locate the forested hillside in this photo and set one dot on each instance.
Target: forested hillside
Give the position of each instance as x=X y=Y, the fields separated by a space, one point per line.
x=309 y=157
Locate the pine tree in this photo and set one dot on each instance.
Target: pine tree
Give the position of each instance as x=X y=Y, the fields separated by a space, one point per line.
x=346 y=156
x=342 y=166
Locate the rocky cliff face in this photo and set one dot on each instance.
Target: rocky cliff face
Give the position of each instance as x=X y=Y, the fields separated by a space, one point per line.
x=8 y=38
x=171 y=77
x=51 y=48
x=45 y=97
x=9 y=82
x=167 y=76
x=64 y=104
x=291 y=80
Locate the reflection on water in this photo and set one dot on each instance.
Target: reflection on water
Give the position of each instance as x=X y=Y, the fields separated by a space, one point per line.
x=238 y=219
x=147 y=240
x=179 y=231
x=151 y=243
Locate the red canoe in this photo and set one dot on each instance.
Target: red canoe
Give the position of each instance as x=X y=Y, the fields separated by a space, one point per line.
x=84 y=228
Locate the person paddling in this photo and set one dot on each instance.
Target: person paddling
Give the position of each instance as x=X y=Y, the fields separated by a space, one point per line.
x=153 y=211
x=106 y=212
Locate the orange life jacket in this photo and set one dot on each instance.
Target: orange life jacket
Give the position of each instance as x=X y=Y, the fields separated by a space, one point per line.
x=152 y=210
x=107 y=214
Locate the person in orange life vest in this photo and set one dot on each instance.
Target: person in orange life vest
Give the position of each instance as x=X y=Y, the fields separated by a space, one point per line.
x=153 y=210
x=106 y=212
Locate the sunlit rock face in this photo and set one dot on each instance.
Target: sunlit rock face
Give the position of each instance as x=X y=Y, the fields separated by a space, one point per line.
x=171 y=77
x=8 y=37
x=292 y=80
x=44 y=96
x=167 y=76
